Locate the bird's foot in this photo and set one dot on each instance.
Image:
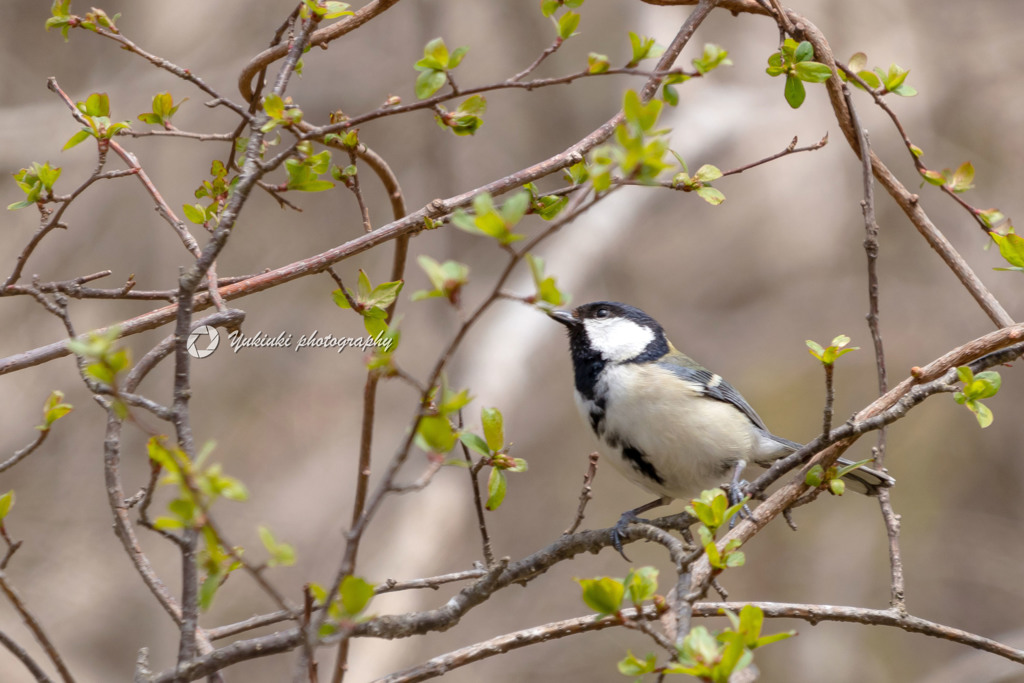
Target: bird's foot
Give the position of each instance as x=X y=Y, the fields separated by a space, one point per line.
x=736 y=492
x=619 y=530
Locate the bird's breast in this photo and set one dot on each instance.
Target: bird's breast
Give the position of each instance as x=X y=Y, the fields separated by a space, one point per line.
x=661 y=433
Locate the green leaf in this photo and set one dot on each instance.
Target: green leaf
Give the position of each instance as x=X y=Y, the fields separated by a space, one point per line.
x=982 y=412
x=597 y=63
x=794 y=91
x=643 y=48
x=933 y=177
x=97 y=104
x=963 y=178
x=195 y=213
x=6 y=503
x=1011 y=247
x=54 y=409
x=435 y=54
x=870 y=78
x=549 y=7
x=435 y=434
x=336 y=9
x=355 y=594
x=567 y=25
x=208 y=590
x=904 y=90
x=631 y=666
x=273 y=105
x=713 y=57
x=812 y=72
x=804 y=52
x=475 y=443
x=429 y=82
x=707 y=173
x=385 y=294
x=314 y=185
x=456 y=57
x=281 y=554
x=641 y=584
x=603 y=595
x=497 y=484
x=77 y=138
x=494 y=431
x=711 y=195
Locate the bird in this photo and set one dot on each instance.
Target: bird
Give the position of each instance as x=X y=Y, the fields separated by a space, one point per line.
x=667 y=423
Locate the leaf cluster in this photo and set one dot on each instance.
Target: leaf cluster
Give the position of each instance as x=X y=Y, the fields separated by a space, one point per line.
x=434 y=66
x=198 y=487
x=795 y=61
x=976 y=387
x=890 y=80
x=36 y=182
x=605 y=595
x=96 y=112
x=494 y=452
x=830 y=354
x=163 y=109
x=712 y=658
x=354 y=595
x=370 y=302
x=713 y=511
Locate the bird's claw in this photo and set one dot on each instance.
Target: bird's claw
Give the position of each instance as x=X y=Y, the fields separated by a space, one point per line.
x=619 y=530
x=736 y=492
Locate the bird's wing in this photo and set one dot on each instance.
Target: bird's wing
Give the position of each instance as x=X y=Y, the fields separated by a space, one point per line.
x=710 y=384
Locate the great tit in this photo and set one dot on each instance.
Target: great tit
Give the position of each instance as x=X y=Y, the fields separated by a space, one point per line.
x=668 y=424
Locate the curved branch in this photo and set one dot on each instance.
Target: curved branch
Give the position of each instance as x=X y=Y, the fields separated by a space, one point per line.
x=319 y=38
x=861 y=615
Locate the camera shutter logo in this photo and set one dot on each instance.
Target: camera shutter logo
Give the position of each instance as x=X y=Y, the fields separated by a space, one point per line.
x=194 y=349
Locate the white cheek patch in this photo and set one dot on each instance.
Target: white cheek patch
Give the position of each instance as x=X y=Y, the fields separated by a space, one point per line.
x=618 y=339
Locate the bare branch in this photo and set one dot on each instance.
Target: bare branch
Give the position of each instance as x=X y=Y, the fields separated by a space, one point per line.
x=36 y=628
x=21 y=655
x=585 y=493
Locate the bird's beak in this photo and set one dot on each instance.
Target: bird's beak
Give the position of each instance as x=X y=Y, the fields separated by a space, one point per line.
x=564 y=317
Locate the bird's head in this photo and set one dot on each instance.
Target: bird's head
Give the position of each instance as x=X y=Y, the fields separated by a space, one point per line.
x=612 y=332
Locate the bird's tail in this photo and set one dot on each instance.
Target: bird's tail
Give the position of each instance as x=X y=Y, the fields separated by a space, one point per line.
x=863 y=480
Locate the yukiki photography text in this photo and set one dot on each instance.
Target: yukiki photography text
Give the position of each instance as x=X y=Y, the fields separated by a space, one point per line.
x=313 y=340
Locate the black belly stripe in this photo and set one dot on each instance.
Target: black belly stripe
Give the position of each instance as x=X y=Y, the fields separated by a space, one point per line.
x=641 y=464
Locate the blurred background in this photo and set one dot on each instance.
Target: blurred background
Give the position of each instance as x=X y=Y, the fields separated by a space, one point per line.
x=739 y=287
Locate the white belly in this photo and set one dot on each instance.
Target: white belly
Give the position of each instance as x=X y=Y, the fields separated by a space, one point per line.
x=692 y=443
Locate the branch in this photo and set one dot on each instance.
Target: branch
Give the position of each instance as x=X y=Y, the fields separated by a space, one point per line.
x=319 y=38
x=442 y=664
x=36 y=628
x=19 y=652
x=938 y=376
x=23 y=453
x=874 y=617
x=585 y=493
x=401 y=228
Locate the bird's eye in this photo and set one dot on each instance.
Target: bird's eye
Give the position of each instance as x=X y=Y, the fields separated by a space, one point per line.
x=601 y=313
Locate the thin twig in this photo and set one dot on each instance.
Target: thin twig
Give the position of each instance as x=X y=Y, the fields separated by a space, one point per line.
x=162 y=207
x=830 y=395
x=36 y=628
x=478 y=505
x=21 y=655
x=585 y=492
x=791 y=148
x=26 y=451
x=543 y=55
